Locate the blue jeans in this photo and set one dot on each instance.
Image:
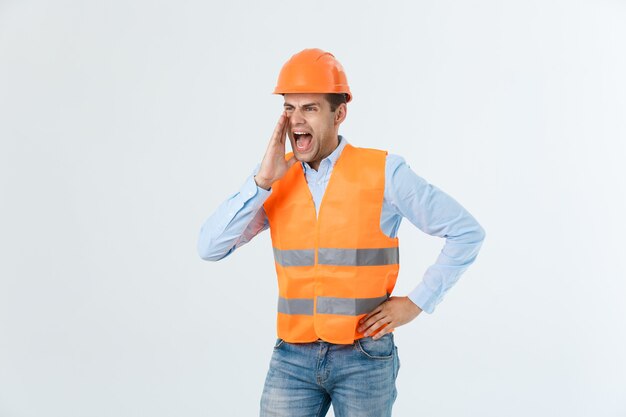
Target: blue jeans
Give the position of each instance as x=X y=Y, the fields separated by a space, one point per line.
x=359 y=379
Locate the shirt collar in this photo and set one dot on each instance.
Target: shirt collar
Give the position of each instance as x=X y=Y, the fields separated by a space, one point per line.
x=332 y=158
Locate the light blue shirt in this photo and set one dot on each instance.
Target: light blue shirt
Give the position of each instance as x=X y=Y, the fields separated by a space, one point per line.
x=241 y=217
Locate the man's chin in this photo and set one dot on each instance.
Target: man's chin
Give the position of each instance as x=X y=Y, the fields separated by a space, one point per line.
x=302 y=157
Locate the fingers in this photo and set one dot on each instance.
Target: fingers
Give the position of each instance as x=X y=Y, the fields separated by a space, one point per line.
x=380 y=322
x=280 y=131
x=377 y=318
x=285 y=128
x=396 y=311
x=372 y=313
x=279 y=128
x=373 y=321
x=388 y=329
x=370 y=318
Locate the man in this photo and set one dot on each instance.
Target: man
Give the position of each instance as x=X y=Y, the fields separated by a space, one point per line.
x=333 y=211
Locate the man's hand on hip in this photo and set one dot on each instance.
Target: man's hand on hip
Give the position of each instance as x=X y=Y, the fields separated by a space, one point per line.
x=394 y=312
x=273 y=167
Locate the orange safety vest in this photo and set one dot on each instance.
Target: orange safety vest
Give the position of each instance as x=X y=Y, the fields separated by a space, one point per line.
x=335 y=267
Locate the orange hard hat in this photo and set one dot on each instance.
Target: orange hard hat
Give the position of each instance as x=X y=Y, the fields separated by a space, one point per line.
x=313 y=71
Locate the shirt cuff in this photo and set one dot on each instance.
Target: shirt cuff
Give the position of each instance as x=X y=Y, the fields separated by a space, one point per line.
x=424 y=298
x=252 y=194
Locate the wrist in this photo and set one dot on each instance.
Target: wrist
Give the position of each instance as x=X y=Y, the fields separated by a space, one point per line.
x=417 y=309
x=262 y=183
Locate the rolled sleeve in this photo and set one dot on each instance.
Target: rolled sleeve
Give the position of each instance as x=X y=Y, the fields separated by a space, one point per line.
x=436 y=213
x=235 y=222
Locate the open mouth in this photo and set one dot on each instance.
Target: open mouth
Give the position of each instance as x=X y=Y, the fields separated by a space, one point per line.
x=303 y=140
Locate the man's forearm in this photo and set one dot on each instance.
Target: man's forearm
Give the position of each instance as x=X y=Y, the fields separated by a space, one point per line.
x=235 y=222
x=458 y=253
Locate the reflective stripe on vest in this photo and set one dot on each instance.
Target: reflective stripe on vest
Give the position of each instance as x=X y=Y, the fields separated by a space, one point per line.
x=295 y=257
x=342 y=257
x=329 y=305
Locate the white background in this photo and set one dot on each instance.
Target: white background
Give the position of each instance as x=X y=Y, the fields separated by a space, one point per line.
x=124 y=124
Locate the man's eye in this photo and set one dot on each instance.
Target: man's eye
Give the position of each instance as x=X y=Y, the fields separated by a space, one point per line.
x=309 y=108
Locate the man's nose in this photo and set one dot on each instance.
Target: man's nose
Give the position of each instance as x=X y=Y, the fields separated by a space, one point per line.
x=296 y=117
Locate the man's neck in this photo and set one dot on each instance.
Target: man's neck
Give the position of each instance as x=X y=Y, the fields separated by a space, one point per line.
x=316 y=164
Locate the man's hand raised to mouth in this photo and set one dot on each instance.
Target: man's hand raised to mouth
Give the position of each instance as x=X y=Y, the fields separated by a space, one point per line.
x=273 y=167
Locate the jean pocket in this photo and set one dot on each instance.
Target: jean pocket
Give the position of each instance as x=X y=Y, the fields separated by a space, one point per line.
x=382 y=348
x=397 y=362
x=278 y=343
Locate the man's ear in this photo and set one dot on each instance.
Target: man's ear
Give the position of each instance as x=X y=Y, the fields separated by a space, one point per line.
x=341 y=113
